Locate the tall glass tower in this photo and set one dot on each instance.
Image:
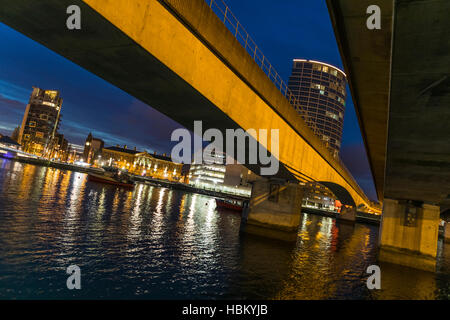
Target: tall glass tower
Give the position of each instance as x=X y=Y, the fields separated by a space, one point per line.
x=320 y=91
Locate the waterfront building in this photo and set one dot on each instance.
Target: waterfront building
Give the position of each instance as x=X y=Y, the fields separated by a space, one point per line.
x=142 y=163
x=317 y=196
x=185 y=172
x=214 y=174
x=118 y=157
x=157 y=166
x=75 y=153
x=320 y=90
x=8 y=142
x=93 y=148
x=15 y=134
x=59 y=148
x=8 y=147
x=40 y=122
x=209 y=172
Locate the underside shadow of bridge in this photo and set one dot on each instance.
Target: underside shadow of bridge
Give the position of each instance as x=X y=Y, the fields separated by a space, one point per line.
x=340 y=192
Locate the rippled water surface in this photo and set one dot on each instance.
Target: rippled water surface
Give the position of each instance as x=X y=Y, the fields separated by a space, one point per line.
x=159 y=243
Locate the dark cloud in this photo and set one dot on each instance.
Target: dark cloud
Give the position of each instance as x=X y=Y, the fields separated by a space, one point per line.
x=11 y=104
x=11 y=113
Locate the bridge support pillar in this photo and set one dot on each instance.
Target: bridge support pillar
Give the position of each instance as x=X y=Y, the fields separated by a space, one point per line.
x=275 y=209
x=447 y=232
x=409 y=234
x=347 y=215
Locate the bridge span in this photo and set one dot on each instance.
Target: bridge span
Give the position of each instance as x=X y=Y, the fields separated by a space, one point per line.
x=400 y=83
x=180 y=58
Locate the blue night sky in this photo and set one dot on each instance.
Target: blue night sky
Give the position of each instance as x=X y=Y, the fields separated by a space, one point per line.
x=282 y=29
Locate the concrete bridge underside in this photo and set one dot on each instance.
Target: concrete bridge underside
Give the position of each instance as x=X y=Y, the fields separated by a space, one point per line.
x=179 y=58
x=400 y=82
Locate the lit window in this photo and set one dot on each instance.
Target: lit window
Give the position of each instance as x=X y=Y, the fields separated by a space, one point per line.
x=332 y=115
x=48 y=104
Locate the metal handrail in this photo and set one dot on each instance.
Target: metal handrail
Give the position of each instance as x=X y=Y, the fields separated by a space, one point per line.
x=221 y=9
x=223 y=12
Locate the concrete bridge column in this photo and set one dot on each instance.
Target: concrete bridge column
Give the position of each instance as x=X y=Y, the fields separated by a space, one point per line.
x=409 y=234
x=447 y=232
x=347 y=214
x=274 y=210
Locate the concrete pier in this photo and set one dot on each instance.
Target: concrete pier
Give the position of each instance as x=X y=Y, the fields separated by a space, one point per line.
x=347 y=215
x=409 y=234
x=275 y=209
x=447 y=232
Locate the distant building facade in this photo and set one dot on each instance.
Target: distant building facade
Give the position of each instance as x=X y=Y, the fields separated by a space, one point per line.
x=8 y=142
x=320 y=90
x=316 y=195
x=16 y=133
x=75 y=152
x=209 y=172
x=157 y=166
x=120 y=157
x=215 y=174
x=59 y=148
x=93 y=149
x=142 y=163
x=40 y=122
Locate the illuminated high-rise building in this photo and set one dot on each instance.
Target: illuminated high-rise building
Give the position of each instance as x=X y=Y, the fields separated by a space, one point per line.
x=40 y=122
x=320 y=90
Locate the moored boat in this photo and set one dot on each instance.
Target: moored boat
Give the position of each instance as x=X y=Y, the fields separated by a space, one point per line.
x=229 y=204
x=113 y=177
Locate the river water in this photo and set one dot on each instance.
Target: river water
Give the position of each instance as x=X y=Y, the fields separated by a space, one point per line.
x=157 y=243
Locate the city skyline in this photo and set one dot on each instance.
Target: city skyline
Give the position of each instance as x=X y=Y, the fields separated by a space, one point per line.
x=118 y=118
x=224 y=150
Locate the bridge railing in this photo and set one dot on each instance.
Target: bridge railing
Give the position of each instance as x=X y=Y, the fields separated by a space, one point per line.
x=221 y=9
x=224 y=13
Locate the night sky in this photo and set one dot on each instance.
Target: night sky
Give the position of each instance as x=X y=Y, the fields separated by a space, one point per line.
x=282 y=29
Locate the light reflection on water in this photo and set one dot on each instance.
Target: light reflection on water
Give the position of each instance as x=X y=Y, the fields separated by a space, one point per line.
x=161 y=244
